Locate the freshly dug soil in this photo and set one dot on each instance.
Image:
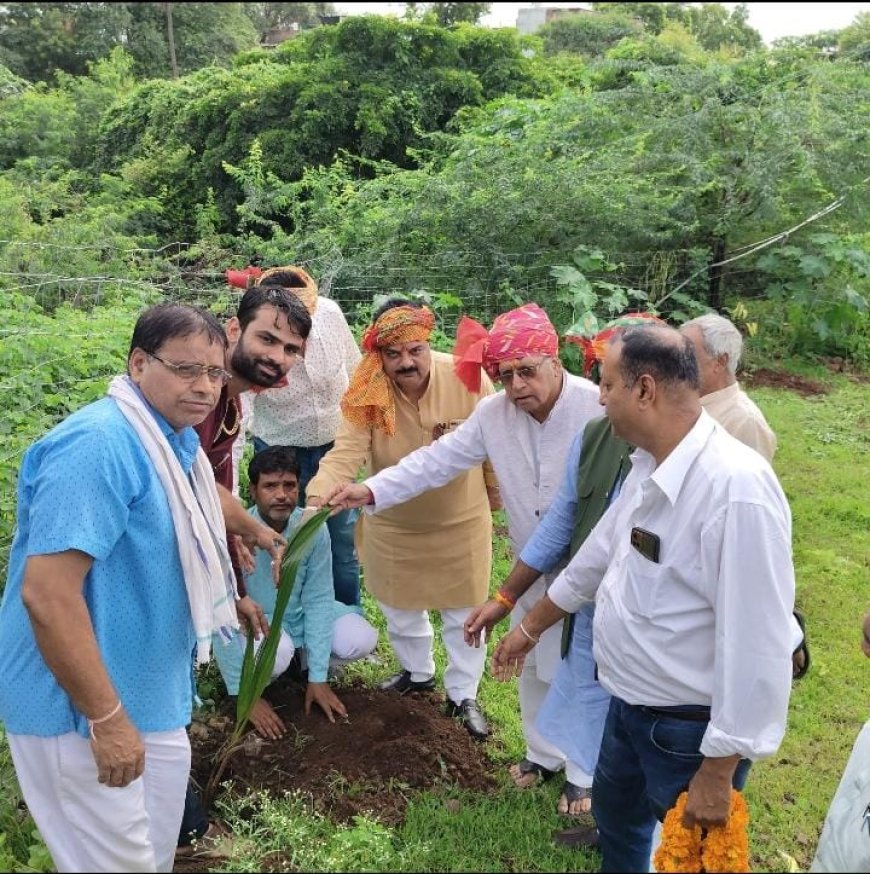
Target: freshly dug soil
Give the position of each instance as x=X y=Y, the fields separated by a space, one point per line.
x=764 y=378
x=389 y=747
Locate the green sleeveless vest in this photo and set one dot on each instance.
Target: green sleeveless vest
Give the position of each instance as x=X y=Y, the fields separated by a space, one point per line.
x=604 y=464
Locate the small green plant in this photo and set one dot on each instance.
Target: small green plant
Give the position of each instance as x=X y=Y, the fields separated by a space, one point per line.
x=257 y=667
x=300 y=740
x=820 y=294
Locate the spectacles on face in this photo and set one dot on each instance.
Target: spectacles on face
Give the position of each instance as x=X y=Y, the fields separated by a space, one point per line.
x=525 y=373
x=192 y=372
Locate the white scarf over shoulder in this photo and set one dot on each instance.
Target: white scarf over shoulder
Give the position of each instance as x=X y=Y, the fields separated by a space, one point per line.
x=198 y=520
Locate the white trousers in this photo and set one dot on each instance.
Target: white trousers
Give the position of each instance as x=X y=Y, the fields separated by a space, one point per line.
x=844 y=844
x=411 y=635
x=88 y=826
x=532 y=691
x=353 y=637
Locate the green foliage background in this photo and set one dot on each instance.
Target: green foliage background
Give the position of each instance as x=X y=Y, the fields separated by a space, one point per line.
x=656 y=156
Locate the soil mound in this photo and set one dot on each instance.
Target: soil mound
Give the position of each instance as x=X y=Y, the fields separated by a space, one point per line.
x=388 y=748
x=802 y=385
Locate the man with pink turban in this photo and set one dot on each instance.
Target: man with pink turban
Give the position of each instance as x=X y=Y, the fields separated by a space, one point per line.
x=525 y=432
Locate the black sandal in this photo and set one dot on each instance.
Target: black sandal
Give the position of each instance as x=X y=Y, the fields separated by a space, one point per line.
x=527 y=767
x=797 y=673
x=572 y=793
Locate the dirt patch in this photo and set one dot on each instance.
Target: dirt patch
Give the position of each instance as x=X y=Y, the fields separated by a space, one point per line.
x=766 y=378
x=388 y=748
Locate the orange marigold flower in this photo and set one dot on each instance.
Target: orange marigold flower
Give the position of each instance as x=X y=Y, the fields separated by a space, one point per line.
x=721 y=848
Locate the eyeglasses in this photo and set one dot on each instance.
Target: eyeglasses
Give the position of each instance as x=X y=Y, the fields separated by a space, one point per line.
x=525 y=373
x=192 y=372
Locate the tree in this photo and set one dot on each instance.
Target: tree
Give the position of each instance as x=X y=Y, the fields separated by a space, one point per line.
x=710 y=23
x=653 y=15
x=39 y=39
x=266 y=16
x=372 y=86
x=587 y=34
x=855 y=39
x=715 y=27
x=205 y=33
x=447 y=14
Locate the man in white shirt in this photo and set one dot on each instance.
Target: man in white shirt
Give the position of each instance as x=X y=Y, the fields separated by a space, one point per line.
x=303 y=411
x=525 y=432
x=692 y=575
x=718 y=346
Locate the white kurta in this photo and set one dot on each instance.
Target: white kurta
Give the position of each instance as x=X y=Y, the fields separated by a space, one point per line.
x=528 y=458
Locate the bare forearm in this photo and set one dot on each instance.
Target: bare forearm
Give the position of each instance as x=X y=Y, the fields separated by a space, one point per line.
x=520 y=579
x=236 y=518
x=542 y=616
x=64 y=632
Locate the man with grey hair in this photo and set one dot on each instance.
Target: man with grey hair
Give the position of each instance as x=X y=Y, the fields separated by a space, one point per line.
x=699 y=685
x=718 y=345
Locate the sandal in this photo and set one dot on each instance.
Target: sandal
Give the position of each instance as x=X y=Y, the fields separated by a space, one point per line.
x=572 y=793
x=542 y=774
x=799 y=670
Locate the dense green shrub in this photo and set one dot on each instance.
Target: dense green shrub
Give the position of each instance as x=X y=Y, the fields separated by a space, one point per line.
x=372 y=86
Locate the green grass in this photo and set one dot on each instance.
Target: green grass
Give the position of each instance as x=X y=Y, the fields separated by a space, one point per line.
x=824 y=465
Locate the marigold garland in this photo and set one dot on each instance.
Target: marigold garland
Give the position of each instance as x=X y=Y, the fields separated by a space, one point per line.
x=720 y=848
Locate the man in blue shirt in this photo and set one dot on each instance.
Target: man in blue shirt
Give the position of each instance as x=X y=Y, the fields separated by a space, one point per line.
x=118 y=569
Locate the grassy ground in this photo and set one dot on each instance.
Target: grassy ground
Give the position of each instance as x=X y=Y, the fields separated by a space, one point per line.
x=824 y=465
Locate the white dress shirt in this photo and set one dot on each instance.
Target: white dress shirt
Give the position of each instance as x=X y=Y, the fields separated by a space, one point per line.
x=306 y=411
x=710 y=622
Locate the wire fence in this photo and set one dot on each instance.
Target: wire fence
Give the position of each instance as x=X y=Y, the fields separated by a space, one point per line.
x=70 y=311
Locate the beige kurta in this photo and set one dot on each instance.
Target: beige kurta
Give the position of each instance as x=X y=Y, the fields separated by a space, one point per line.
x=738 y=414
x=435 y=551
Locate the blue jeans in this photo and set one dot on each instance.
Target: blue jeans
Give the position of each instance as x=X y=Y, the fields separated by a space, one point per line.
x=194 y=822
x=345 y=564
x=646 y=761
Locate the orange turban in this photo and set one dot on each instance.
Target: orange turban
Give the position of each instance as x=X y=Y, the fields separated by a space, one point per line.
x=527 y=330
x=595 y=346
x=369 y=401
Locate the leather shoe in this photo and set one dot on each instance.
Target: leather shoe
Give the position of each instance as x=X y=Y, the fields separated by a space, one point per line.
x=402 y=683
x=577 y=837
x=470 y=716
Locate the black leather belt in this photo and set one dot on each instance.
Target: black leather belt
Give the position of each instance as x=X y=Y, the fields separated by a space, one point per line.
x=696 y=714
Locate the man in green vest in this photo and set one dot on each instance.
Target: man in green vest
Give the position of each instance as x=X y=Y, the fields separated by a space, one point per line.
x=573 y=713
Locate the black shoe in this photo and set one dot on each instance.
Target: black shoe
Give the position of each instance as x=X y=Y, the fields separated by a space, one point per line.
x=402 y=683
x=577 y=837
x=470 y=716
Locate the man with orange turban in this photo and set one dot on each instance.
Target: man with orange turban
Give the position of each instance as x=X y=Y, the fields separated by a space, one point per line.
x=525 y=432
x=435 y=553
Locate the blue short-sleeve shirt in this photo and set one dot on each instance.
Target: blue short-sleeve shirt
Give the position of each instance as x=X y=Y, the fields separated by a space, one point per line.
x=89 y=485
